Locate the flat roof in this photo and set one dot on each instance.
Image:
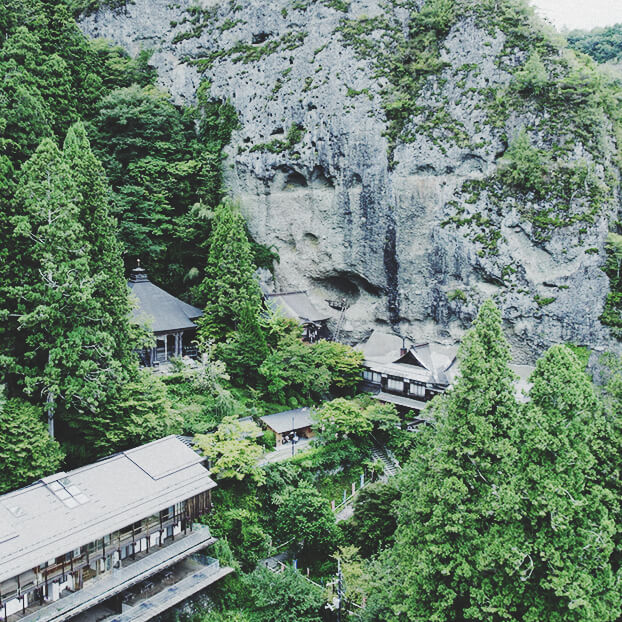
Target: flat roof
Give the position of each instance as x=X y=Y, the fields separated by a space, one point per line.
x=282 y=422
x=65 y=511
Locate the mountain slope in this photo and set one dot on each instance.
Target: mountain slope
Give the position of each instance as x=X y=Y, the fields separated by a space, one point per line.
x=413 y=158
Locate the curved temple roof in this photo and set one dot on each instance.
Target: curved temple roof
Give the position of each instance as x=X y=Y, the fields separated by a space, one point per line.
x=159 y=309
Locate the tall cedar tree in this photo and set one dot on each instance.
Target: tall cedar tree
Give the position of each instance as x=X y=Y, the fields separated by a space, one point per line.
x=230 y=286
x=566 y=551
x=451 y=541
x=70 y=300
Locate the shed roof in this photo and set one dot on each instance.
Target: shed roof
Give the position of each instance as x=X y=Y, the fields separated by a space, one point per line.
x=296 y=305
x=282 y=422
x=159 y=309
x=65 y=511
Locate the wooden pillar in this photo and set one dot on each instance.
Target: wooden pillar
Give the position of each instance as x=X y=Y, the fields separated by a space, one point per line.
x=166 y=347
x=178 y=343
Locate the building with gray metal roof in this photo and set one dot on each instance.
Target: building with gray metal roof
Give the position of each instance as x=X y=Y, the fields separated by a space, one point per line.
x=408 y=375
x=298 y=306
x=298 y=420
x=172 y=320
x=59 y=533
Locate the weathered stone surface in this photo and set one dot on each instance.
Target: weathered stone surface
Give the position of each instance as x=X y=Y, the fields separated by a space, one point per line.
x=348 y=225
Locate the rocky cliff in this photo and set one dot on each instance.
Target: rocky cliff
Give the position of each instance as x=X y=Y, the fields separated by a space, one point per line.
x=410 y=158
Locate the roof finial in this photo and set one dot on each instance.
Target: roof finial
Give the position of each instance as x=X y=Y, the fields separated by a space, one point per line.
x=138 y=273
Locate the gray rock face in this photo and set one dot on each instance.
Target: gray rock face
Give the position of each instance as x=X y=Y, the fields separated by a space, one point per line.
x=346 y=223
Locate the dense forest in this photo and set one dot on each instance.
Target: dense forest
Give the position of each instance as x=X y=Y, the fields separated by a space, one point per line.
x=506 y=507
x=602 y=44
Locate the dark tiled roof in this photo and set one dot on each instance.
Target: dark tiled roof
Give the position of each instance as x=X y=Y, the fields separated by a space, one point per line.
x=295 y=305
x=159 y=309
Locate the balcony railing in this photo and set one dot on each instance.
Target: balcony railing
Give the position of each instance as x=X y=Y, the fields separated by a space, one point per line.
x=206 y=571
x=118 y=580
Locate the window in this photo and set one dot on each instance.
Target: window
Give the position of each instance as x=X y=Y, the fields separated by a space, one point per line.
x=371 y=376
x=417 y=389
x=395 y=385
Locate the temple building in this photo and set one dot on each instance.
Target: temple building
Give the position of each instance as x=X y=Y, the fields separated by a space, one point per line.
x=171 y=320
x=398 y=371
x=298 y=306
x=118 y=538
x=406 y=374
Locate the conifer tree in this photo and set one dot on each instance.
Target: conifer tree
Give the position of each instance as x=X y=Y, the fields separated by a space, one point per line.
x=565 y=567
x=451 y=541
x=105 y=259
x=230 y=286
x=70 y=302
x=51 y=287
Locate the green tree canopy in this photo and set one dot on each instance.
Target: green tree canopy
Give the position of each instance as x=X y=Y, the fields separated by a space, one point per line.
x=230 y=287
x=305 y=516
x=451 y=542
x=565 y=551
x=232 y=450
x=26 y=450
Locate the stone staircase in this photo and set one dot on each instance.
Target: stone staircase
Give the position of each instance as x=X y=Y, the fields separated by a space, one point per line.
x=391 y=465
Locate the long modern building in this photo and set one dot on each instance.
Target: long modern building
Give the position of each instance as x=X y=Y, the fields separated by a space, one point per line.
x=76 y=541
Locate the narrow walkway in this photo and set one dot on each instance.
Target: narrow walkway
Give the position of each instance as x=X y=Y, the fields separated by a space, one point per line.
x=284 y=452
x=119 y=580
x=172 y=595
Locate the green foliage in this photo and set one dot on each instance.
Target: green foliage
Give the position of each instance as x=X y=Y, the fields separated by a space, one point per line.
x=524 y=166
x=245 y=349
x=602 y=44
x=354 y=421
x=158 y=172
x=27 y=452
x=140 y=412
x=567 y=570
x=232 y=450
x=612 y=313
x=303 y=515
x=292 y=372
x=295 y=134
x=344 y=364
x=533 y=78
x=457 y=294
x=373 y=523
x=507 y=512
x=448 y=543
x=286 y=597
x=230 y=286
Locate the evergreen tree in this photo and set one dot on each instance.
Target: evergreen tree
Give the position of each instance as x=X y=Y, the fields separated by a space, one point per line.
x=452 y=541
x=230 y=286
x=50 y=286
x=106 y=264
x=245 y=350
x=26 y=452
x=564 y=564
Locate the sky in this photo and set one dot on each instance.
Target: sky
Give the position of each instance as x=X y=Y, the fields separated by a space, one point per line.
x=584 y=14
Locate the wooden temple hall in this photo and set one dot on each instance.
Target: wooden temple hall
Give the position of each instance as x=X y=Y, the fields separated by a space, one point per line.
x=118 y=539
x=172 y=320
